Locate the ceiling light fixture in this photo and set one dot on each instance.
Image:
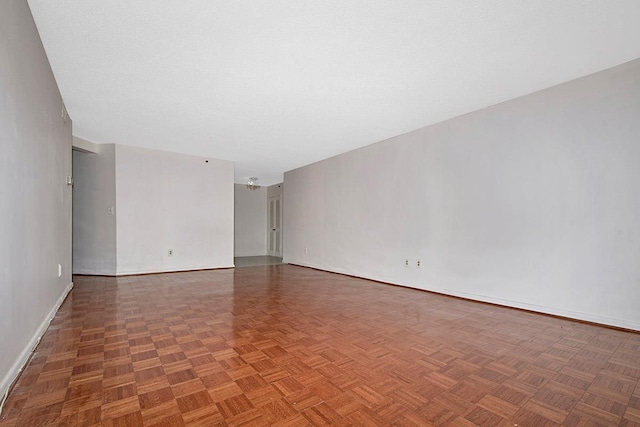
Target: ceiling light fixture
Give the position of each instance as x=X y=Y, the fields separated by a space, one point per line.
x=252 y=184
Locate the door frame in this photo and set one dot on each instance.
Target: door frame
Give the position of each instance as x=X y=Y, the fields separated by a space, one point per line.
x=274 y=230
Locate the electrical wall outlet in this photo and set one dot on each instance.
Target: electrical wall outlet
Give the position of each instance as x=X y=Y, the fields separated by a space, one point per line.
x=406 y=262
x=170 y=252
x=418 y=263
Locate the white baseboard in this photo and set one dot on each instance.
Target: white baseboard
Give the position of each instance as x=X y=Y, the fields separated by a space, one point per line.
x=23 y=358
x=89 y=272
x=575 y=315
x=172 y=270
x=553 y=311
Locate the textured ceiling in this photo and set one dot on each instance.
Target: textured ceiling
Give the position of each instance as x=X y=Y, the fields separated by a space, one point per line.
x=274 y=85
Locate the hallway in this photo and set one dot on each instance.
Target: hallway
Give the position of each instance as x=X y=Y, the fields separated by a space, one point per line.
x=253 y=261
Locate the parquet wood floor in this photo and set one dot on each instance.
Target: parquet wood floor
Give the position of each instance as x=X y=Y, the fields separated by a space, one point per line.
x=291 y=346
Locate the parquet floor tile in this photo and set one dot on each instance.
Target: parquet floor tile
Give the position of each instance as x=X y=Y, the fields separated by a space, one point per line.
x=288 y=346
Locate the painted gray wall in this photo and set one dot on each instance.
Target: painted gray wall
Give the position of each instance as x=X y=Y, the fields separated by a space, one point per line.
x=250 y=213
x=532 y=203
x=94 y=209
x=35 y=207
x=275 y=190
x=84 y=146
x=172 y=201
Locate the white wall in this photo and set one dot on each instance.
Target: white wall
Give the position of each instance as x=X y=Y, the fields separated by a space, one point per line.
x=94 y=207
x=533 y=203
x=275 y=190
x=84 y=146
x=250 y=207
x=168 y=201
x=35 y=202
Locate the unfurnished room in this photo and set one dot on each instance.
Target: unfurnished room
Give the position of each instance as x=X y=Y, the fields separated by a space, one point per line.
x=345 y=213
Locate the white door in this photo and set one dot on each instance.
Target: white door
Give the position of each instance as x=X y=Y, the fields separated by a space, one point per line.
x=275 y=226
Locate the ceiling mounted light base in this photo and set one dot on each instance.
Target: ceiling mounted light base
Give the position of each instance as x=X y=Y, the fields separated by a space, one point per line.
x=252 y=184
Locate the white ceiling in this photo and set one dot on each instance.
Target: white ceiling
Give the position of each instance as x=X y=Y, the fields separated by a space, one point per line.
x=274 y=85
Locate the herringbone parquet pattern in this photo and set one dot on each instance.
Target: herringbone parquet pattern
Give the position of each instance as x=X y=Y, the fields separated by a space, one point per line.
x=290 y=346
